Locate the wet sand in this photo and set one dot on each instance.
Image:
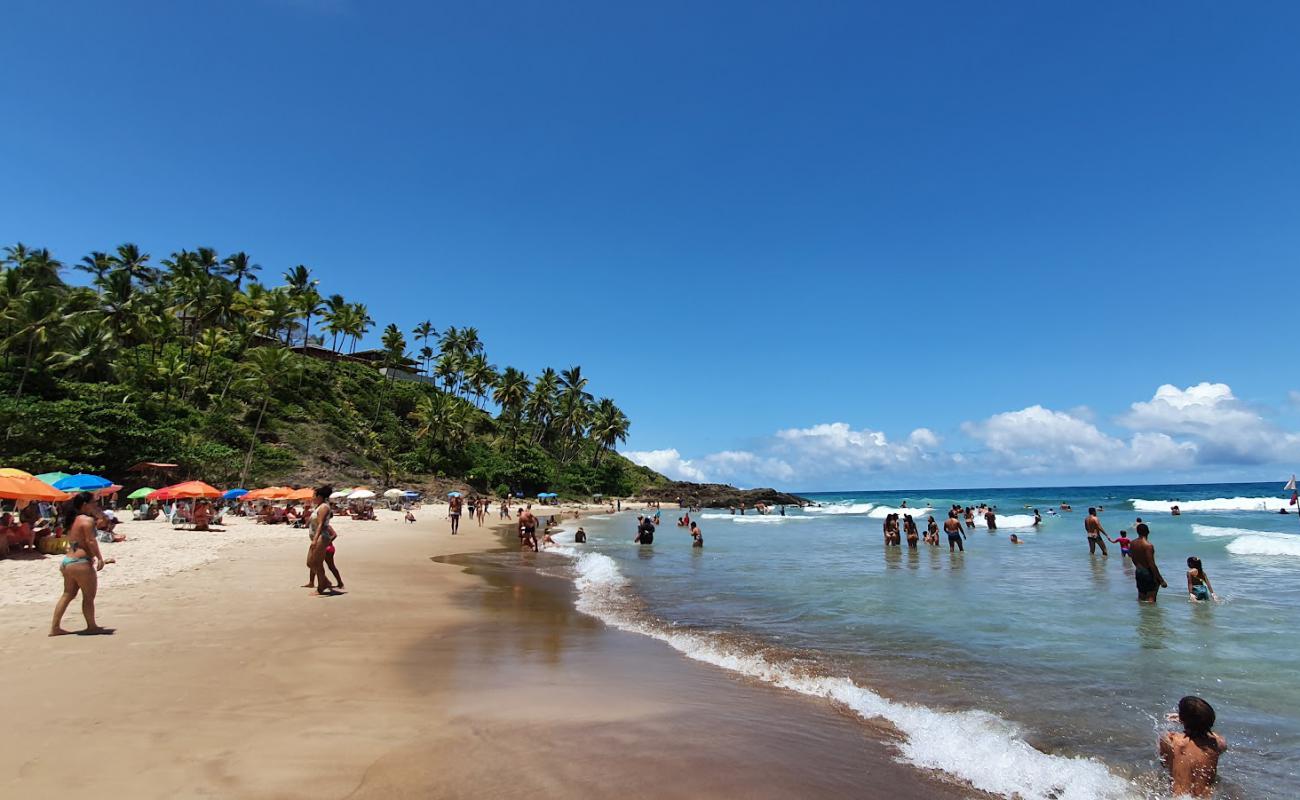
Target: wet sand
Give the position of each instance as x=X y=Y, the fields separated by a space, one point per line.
x=449 y=669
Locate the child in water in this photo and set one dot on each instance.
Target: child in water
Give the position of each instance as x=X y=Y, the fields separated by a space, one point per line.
x=1016 y=539
x=1192 y=757
x=1198 y=583
x=1123 y=541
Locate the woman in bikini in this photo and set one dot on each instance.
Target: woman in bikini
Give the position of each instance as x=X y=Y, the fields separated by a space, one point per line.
x=80 y=565
x=319 y=552
x=1198 y=583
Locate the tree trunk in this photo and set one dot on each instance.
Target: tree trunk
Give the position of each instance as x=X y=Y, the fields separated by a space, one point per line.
x=248 y=460
x=27 y=363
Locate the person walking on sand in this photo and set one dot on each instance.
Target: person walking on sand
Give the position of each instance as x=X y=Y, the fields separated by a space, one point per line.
x=80 y=566
x=1198 y=583
x=453 y=512
x=528 y=528
x=1192 y=757
x=321 y=534
x=952 y=526
x=1092 y=527
x=1146 y=573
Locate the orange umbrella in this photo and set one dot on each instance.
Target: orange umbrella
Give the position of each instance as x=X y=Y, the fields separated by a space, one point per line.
x=18 y=488
x=185 y=491
x=301 y=494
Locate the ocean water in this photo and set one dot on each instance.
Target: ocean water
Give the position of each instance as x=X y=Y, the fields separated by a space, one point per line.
x=1026 y=670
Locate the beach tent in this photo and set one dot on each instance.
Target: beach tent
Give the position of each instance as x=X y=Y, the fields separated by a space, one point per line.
x=189 y=490
x=82 y=482
x=231 y=494
x=51 y=477
x=141 y=493
x=17 y=487
x=361 y=494
x=393 y=494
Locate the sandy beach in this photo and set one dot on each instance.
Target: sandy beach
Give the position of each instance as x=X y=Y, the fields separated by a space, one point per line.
x=450 y=668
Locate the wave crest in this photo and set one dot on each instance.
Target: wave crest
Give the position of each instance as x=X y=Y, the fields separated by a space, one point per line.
x=1215 y=504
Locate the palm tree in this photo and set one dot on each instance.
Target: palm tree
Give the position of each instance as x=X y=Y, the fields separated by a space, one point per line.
x=540 y=407
x=510 y=394
x=32 y=321
x=96 y=264
x=609 y=426
x=440 y=420
x=335 y=316
x=309 y=305
x=240 y=268
x=479 y=376
x=84 y=351
x=423 y=332
x=266 y=370
x=136 y=265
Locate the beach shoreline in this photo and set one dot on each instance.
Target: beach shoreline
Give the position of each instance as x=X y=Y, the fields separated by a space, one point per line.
x=453 y=666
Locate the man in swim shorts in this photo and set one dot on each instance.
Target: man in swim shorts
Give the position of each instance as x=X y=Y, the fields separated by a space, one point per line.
x=528 y=528
x=1145 y=572
x=952 y=526
x=1092 y=526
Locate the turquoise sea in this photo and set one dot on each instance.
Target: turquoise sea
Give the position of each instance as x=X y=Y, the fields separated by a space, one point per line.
x=1028 y=671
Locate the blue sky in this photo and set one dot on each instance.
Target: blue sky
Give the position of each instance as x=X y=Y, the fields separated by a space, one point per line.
x=741 y=219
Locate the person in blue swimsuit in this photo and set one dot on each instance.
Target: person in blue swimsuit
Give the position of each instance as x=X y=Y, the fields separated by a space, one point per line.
x=80 y=566
x=1198 y=583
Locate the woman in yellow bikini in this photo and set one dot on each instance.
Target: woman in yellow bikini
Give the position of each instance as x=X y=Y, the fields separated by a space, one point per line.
x=80 y=566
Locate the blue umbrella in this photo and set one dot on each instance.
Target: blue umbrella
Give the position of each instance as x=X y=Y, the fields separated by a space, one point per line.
x=410 y=494
x=82 y=482
x=233 y=493
x=453 y=494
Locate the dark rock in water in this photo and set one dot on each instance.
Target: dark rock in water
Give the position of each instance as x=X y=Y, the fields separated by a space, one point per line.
x=719 y=495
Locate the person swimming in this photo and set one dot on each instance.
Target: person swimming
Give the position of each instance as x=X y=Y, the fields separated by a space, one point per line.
x=580 y=537
x=1016 y=539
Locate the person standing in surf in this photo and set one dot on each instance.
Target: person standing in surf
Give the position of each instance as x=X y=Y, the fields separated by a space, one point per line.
x=991 y=519
x=932 y=532
x=1092 y=527
x=909 y=525
x=528 y=528
x=1143 y=555
x=952 y=526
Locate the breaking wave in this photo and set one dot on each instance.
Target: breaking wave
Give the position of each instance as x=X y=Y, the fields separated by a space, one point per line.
x=1216 y=504
x=983 y=749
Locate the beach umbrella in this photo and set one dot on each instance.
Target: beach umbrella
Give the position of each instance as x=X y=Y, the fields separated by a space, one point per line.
x=453 y=494
x=231 y=494
x=410 y=494
x=361 y=494
x=340 y=494
x=82 y=482
x=51 y=477
x=188 y=490
x=305 y=493
x=144 y=491
x=394 y=493
x=10 y=472
x=18 y=488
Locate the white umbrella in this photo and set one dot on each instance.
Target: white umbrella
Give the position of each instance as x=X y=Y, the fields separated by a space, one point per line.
x=340 y=494
x=394 y=493
x=361 y=494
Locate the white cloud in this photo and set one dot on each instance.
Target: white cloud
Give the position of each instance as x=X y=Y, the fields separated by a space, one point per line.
x=668 y=462
x=1226 y=429
x=1176 y=430
x=1041 y=440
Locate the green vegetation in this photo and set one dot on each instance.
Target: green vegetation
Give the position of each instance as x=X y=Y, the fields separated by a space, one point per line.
x=193 y=360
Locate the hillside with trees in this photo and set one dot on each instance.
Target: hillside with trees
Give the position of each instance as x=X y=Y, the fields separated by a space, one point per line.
x=193 y=359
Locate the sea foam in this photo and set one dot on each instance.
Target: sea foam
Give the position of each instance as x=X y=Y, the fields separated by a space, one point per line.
x=1216 y=504
x=840 y=508
x=1279 y=545
x=981 y=748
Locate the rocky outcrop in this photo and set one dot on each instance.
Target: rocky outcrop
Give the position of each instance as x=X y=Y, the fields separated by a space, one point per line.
x=718 y=495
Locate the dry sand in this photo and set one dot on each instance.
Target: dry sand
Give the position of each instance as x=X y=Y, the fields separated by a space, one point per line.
x=466 y=676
